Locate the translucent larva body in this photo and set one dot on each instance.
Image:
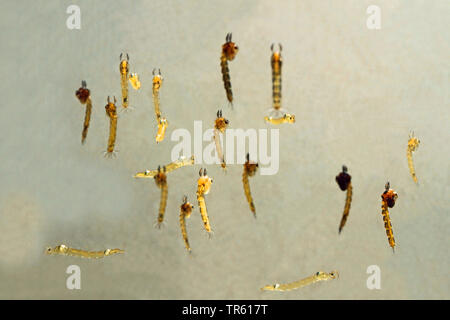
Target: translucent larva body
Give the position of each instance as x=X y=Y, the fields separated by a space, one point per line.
x=123 y=69
x=318 y=276
x=413 y=144
x=111 y=112
x=169 y=167
x=220 y=126
x=156 y=86
x=161 y=182
x=64 y=250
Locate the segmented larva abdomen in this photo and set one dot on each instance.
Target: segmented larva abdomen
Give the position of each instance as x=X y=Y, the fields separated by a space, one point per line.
x=92 y=254
x=87 y=118
x=124 y=81
x=411 y=164
x=163 y=202
x=276 y=84
x=219 y=147
x=112 y=133
x=183 y=230
x=203 y=212
x=248 y=194
x=387 y=224
x=348 y=202
x=156 y=102
x=226 y=77
x=297 y=284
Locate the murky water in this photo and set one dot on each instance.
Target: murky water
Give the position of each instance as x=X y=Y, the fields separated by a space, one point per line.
x=356 y=94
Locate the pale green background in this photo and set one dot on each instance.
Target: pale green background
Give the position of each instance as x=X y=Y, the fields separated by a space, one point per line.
x=356 y=94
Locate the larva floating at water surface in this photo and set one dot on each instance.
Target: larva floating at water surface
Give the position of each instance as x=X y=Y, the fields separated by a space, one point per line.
x=413 y=144
x=84 y=95
x=388 y=199
x=229 y=52
x=277 y=115
x=64 y=250
x=111 y=112
x=220 y=125
x=344 y=180
x=286 y=118
x=169 y=167
x=185 y=212
x=162 y=127
x=318 y=276
x=161 y=182
x=203 y=187
x=250 y=169
x=123 y=68
x=134 y=80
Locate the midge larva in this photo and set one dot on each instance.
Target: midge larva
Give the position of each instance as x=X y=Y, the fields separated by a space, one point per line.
x=388 y=199
x=229 y=52
x=250 y=169
x=111 y=112
x=161 y=182
x=84 y=95
x=413 y=144
x=203 y=187
x=276 y=113
x=344 y=180
x=170 y=167
x=220 y=126
x=162 y=122
x=64 y=250
x=185 y=212
x=123 y=68
x=156 y=85
x=318 y=276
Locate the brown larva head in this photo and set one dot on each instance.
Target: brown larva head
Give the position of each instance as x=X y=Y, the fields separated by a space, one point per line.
x=250 y=166
x=389 y=196
x=83 y=93
x=343 y=179
x=221 y=123
x=186 y=207
x=110 y=108
x=204 y=182
x=229 y=49
x=160 y=177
